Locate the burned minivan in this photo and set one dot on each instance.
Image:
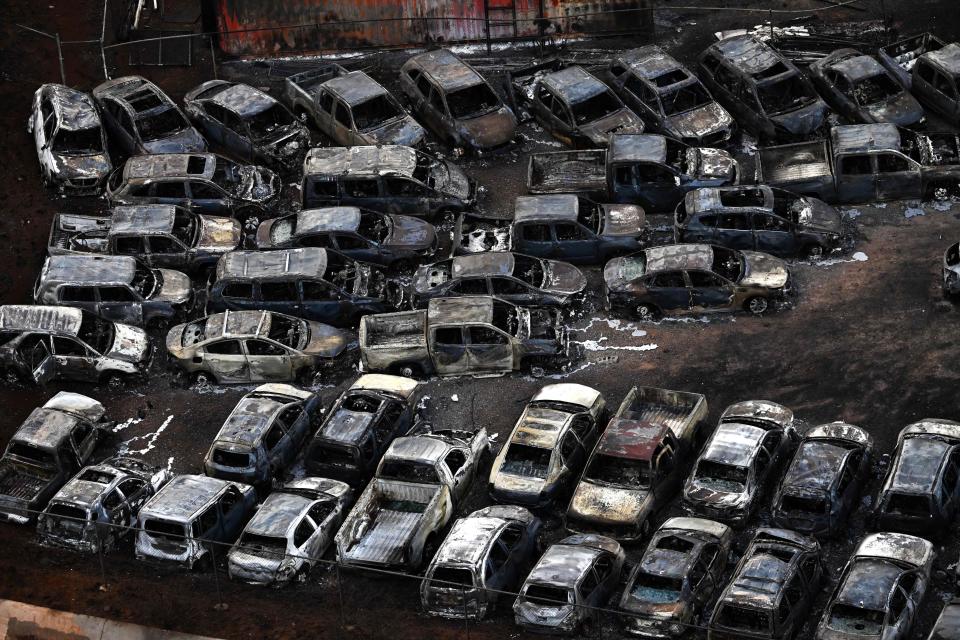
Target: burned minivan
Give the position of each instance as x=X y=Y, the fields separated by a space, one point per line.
x=485 y=554
x=763 y=90
x=71 y=142
x=921 y=490
x=360 y=426
x=263 y=435
x=99 y=506
x=188 y=515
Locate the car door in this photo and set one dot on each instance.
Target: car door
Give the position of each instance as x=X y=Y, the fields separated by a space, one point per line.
x=734 y=230
x=37 y=359
x=360 y=192
x=512 y=537
x=123 y=131
x=657 y=186
x=838 y=92
x=44 y=124
x=135 y=494
x=668 y=290
x=940 y=92
x=170 y=192
x=510 y=289
x=275 y=440
x=236 y=136
x=460 y=471
x=232 y=513
x=118 y=513
x=164 y=251
x=534 y=239
x=574 y=243
x=281 y=296
x=208 y=198
x=406 y=196
x=74 y=360
x=323 y=117
x=341 y=124
x=268 y=361
x=226 y=360
x=448 y=348
x=710 y=565
x=489 y=350
x=665 y=478
x=700 y=228
x=772 y=234
x=82 y=297
x=120 y=304
x=212 y=118
x=298 y=427
x=470 y=287
x=572 y=454
x=323 y=302
x=134 y=246
x=857 y=181
x=642 y=100
x=898 y=177
x=356 y=247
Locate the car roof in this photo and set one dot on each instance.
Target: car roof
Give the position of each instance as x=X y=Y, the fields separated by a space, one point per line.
x=672 y=562
x=75 y=110
x=48 y=425
x=306 y=262
x=243 y=100
x=365 y=160
x=327 y=219
x=404 y=387
x=649 y=61
x=760 y=579
x=278 y=513
x=858 y=67
x=734 y=444
x=94 y=270
x=917 y=464
x=421 y=447
x=541 y=427
x=446 y=69
x=708 y=199
x=815 y=466
x=170 y=165
x=490 y=263
x=700 y=526
x=747 y=53
x=355 y=87
x=861 y=138
x=236 y=324
x=250 y=419
x=638 y=147
x=868 y=583
x=83 y=492
x=569 y=392
x=468 y=540
x=675 y=257
x=552 y=207
x=947 y=57
x=142 y=219
x=563 y=564
x=631 y=439
x=183 y=497
x=29 y=317
x=574 y=83
x=129 y=89
x=466 y=309
x=900 y=547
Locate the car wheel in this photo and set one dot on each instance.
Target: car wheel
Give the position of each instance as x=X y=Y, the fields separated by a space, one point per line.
x=113 y=381
x=407 y=370
x=203 y=380
x=814 y=251
x=646 y=312
x=757 y=305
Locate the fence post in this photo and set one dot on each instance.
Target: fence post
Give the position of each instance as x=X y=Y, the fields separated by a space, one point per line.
x=103 y=569
x=340 y=596
x=466 y=618
x=103 y=36
x=213 y=57
x=63 y=74
x=221 y=605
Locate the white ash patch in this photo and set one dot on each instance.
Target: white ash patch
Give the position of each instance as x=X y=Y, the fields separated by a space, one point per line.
x=149 y=438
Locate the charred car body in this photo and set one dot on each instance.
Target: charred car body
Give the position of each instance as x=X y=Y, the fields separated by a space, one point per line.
x=116 y=288
x=351 y=107
x=289 y=532
x=469 y=335
x=312 y=283
x=190 y=513
x=936 y=81
x=751 y=441
x=485 y=553
x=253 y=346
x=571 y=580
x=677 y=576
x=71 y=142
x=99 y=505
x=669 y=97
x=638 y=464
x=694 y=278
x=548 y=446
x=921 y=490
x=392 y=179
x=249 y=123
x=951 y=271
x=395 y=241
x=51 y=445
x=143 y=119
x=41 y=343
x=822 y=484
x=514 y=277
x=262 y=435
x=762 y=89
x=456 y=103
x=158 y=235
x=361 y=425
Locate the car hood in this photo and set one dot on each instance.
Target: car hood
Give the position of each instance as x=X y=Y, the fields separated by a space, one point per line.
x=817 y=214
x=715 y=166
x=175 y=288
x=489 y=130
x=403 y=131
x=451 y=180
x=622 y=121
x=700 y=122
x=622 y=220
x=563 y=277
x=702 y=494
x=130 y=344
x=902 y=109
x=258 y=184
x=186 y=140
x=326 y=341
x=618 y=272
x=804 y=120
x=218 y=234
x=83 y=166
x=609 y=505
x=408 y=232
x=763 y=270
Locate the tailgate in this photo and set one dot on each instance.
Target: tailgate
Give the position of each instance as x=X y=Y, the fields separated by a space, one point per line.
x=790 y=163
x=567 y=172
x=67 y=226
x=21 y=486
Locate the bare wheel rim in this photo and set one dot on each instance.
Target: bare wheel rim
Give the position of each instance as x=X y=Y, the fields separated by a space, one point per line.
x=757 y=305
x=644 y=312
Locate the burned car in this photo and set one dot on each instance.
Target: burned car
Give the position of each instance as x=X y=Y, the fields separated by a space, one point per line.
x=514 y=277
x=921 y=491
x=695 y=278
x=116 y=288
x=880 y=590
x=822 y=484
x=99 y=506
x=739 y=460
x=40 y=343
x=254 y=346
x=485 y=554
x=51 y=445
x=71 y=142
x=679 y=573
x=758 y=217
x=572 y=579
x=249 y=123
x=951 y=271
x=206 y=183
x=548 y=446
x=456 y=103
x=360 y=426
x=763 y=90
x=859 y=88
x=666 y=94
x=468 y=335
x=289 y=532
x=263 y=435
x=772 y=588
x=189 y=515
x=158 y=235
x=579 y=110
x=392 y=179
x=143 y=119
x=638 y=464
x=936 y=81
x=900 y=57
x=312 y=283
x=350 y=107
x=394 y=241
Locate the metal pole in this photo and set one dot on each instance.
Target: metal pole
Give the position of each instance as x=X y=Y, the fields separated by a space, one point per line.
x=103 y=36
x=213 y=58
x=63 y=74
x=103 y=570
x=221 y=605
x=771 y=25
x=466 y=619
x=340 y=594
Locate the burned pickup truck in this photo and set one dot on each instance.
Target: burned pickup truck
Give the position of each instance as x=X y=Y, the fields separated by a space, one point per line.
x=650 y=170
x=422 y=479
x=866 y=162
x=475 y=335
x=559 y=226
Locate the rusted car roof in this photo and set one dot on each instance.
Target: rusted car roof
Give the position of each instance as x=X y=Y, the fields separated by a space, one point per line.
x=563 y=564
x=541 y=427
x=238 y=324
x=734 y=444
x=250 y=419
x=472 y=309
x=306 y=262
x=75 y=110
x=99 y=270
x=142 y=219
x=649 y=61
x=917 y=464
x=896 y=546
x=868 y=584
x=418 y=447
x=557 y=206
x=861 y=138
x=638 y=147
x=397 y=385
x=327 y=219
x=169 y=165
x=469 y=539
x=815 y=466
x=277 y=514
x=569 y=392
x=47 y=426
x=181 y=498
x=28 y=317
x=631 y=439
x=360 y=161
x=700 y=525
x=674 y=257
x=947 y=57
x=244 y=100
x=747 y=53
x=355 y=87
x=449 y=71
x=491 y=263
x=858 y=67
x=573 y=83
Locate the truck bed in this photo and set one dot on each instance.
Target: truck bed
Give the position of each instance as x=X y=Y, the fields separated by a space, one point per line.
x=568 y=172
x=680 y=411
x=476 y=234
x=403 y=329
x=67 y=227
x=789 y=164
x=308 y=81
x=22 y=486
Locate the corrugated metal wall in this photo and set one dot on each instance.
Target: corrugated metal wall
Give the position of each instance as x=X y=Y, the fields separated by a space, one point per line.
x=270 y=27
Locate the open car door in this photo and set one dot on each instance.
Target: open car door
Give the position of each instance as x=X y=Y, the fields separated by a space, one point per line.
x=40 y=362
